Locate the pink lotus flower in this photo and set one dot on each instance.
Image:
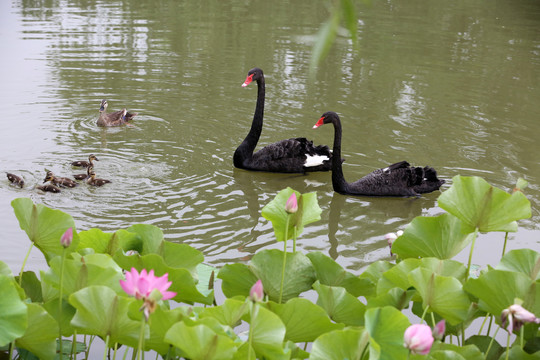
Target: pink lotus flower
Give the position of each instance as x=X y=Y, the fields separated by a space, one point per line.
x=292 y=204
x=67 y=238
x=515 y=316
x=439 y=329
x=256 y=293
x=141 y=285
x=418 y=339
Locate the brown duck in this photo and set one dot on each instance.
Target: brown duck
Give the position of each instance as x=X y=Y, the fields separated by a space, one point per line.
x=49 y=188
x=84 y=176
x=15 y=180
x=116 y=118
x=59 y=181
x=84 y=163
x=94 y=181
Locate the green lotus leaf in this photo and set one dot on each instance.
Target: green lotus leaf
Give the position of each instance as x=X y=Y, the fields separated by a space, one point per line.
x=40 y=337
x=330 y=273
x=44 y=226
x=32 y=286
x=161 y=320
x=395 y=297
x=299 y=273
x=341 y=306
x=200 y=342
x=482 y=206
x=442 y=294
x=237 y=279
x=498 y=289
x=303 y=320
x=308 y=212
x=101 y=312
x=340 y=344
x=13 y=312
x=484 y=342
x=229 y=313
x=386 y=327
x=441 y=237
x=526 y=261
x=268 y=334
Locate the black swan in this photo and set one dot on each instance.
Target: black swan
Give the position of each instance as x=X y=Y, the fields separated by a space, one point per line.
x=297 y=155
x=399 y=179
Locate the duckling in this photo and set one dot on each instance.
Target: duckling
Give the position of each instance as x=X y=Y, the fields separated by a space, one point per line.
x=49 y=188
x=95 y=182
x=116 y=118
x=84 y=163
x=84 y=176
x=62 y=181
x=15 y=180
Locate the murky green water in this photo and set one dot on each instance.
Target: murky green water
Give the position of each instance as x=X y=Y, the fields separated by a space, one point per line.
x=451 y=84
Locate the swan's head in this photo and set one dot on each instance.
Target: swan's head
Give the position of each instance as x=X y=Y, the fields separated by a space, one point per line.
x=326 y=118
x=253 y=74
x=103 y=106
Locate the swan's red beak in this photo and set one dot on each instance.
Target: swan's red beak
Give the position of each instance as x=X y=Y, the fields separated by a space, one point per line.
x=249 y=79
x=319 y=123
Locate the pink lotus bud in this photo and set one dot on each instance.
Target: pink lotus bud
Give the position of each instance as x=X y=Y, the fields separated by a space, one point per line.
x=418 y=339
x=256 y=293
x=292 y=204
x=67 y=238
x=439 y=329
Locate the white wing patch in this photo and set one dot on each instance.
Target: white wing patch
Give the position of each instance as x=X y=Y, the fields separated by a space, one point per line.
x=315 y=160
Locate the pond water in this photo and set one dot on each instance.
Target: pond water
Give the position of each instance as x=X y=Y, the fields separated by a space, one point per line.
x=453 y=85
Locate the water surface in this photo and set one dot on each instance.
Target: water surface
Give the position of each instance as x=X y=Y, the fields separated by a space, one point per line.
x=450 y=85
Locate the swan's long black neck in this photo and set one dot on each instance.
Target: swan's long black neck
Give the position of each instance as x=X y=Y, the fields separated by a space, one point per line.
x=338 y=180
x=246 y=148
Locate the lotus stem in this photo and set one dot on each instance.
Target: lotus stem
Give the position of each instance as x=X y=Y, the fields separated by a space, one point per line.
x=294 y=240
x=489 y=326
x=491 y=342
x=505 y=241
x=284 y=260
x=73 y=345
x=60 y=301
x=140 y=350
x=521 y=337
x=106 y=347
x=253 y=308
x=24 y=263
x=507 y=345
x=11 y=346
x=470 y=254
x=483 y=323
x=425 y=312
x=115 y=349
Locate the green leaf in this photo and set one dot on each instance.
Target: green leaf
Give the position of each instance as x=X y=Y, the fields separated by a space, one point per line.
x=161 y=320
x=483 y=206
x=237 y=279
x=373 y=274
x=13 y=312
x=517 y=353
x=526 y=261
x=268 y=334
x=330 y=273
x=303 y=320
x=100 y=311
x=308 y=212
x=395 y=297
x=32 y=286
x=497 y=290
x=386 y=327
x=40 y=337
x=340 y=345
x=441 y=237
x=151 y=237
x=299 y=273
x=63 y=318
x=483 y=342
x=341 y=306
x=351 y=21
x=324 y=40
x=230 y=313
x=444 y=295
x=44 y=226
x=200 y=342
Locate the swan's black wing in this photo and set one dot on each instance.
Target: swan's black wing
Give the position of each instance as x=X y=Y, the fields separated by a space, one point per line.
x=291 y=156
x=399 y=179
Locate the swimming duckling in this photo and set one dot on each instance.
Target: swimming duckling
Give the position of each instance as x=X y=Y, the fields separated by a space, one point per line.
x=84 y=176
x=62 y=181
x=49 y=188
x=116 y=118
x=95 y=182
x=84 y=163
x=15 y=180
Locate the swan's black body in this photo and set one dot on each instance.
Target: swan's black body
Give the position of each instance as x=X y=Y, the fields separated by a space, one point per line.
x=399 y=179
x=296 y=155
